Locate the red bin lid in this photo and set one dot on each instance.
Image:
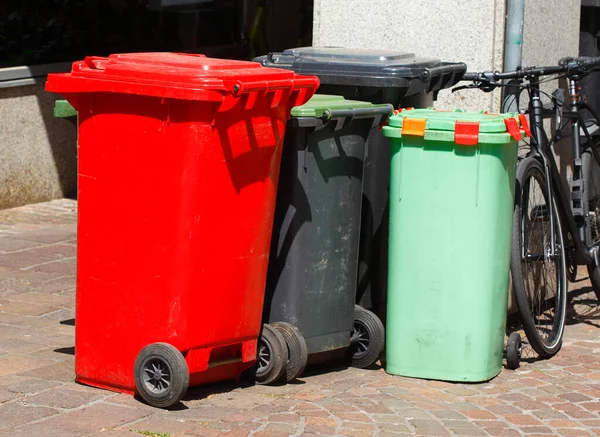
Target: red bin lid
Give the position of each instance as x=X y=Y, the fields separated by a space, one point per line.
x=174 y=75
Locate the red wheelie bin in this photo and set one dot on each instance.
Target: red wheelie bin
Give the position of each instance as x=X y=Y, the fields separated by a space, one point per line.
x=178 y=168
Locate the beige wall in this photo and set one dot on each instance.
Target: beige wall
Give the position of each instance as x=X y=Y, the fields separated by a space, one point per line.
x=467 y=31
x=38 y=151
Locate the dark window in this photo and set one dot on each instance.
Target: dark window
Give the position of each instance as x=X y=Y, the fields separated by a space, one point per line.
x=49 y=31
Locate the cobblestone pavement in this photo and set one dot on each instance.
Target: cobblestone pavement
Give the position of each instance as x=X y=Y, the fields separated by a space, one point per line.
x=38 y=395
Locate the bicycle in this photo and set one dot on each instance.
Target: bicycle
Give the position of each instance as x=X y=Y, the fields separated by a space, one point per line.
x=553 y=232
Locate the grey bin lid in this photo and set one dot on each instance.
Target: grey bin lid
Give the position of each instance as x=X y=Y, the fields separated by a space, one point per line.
x=368 y=68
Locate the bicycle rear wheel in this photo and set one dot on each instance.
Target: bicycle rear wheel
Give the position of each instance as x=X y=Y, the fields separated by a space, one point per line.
x=539 y=279
x=590 y=199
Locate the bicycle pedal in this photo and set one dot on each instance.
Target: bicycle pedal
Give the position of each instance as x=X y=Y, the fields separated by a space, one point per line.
x=539 y=213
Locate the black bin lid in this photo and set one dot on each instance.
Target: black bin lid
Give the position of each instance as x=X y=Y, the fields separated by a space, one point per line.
x=368 y=68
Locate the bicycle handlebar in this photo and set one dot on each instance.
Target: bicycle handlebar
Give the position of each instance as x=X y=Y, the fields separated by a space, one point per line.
x=569 y=66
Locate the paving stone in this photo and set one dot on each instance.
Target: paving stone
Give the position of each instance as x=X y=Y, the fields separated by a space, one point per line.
x=393 y=427
x=426 y=423
x=581 y=414
x=362 y=433
x=36 y=297
x=281 y=417
x=364 y=427
x=485 y=401
x=591 y=406
x=574 y=432
x=267 y=434
x=536 y=430
x=432 y=432
x=320 y=429
x=548 y=414
x=479 y=414
x=549 y=400
x=6 y=396
x=522 y=419
x=448 y=414
x=62 y=371
x=503 y=432
x=62 y=397
x=353 y=417
x=26 y=309
x=95 y=418
x=8 y=245
x=468 y=431
x=452 y=424
x=575 y=397
x=592 y=423
x=25 y=385
x=155 y=425
x=14 y=414
x=564 y=423
x=48 y=236
x=42 y=430
x=515 y=397
x=62 y=267
x=203 y=432
x=12 y=364
x=37 y=256
x=504 y=410
x=529 y=406
x=415 y=414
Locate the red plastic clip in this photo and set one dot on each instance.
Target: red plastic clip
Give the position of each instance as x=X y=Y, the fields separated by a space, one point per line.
x=513 y=128
x=525 y=124
x=382 y=125
x=466 y=133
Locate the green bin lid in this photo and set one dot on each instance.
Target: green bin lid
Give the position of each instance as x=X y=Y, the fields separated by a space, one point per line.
x=463 y=127
x=63 y=109
x=319 y=103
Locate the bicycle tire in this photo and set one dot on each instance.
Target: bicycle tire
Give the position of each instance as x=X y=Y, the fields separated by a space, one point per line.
x=527 y=298
x=590 y=201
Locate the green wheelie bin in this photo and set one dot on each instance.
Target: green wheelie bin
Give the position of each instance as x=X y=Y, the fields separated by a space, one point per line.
x=452 y=191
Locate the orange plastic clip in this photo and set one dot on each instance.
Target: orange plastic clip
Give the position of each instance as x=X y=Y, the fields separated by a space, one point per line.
x=414 y=126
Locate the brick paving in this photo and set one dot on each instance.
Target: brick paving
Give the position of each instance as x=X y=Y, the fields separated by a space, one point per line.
x=38 y=395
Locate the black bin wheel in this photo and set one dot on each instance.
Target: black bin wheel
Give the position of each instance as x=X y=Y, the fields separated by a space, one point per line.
x=367 y=338
x=161 y=375
x=513 y=351
x=272 y=356
x=297 y=350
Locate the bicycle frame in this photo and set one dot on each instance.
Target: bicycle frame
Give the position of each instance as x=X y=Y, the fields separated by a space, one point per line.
x=573 y=227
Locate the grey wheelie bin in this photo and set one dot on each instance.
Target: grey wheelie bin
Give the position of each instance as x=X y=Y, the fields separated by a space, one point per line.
x=311 y=279
x=376 y=76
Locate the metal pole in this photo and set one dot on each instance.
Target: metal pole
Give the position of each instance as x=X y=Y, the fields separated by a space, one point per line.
x=513 y=48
